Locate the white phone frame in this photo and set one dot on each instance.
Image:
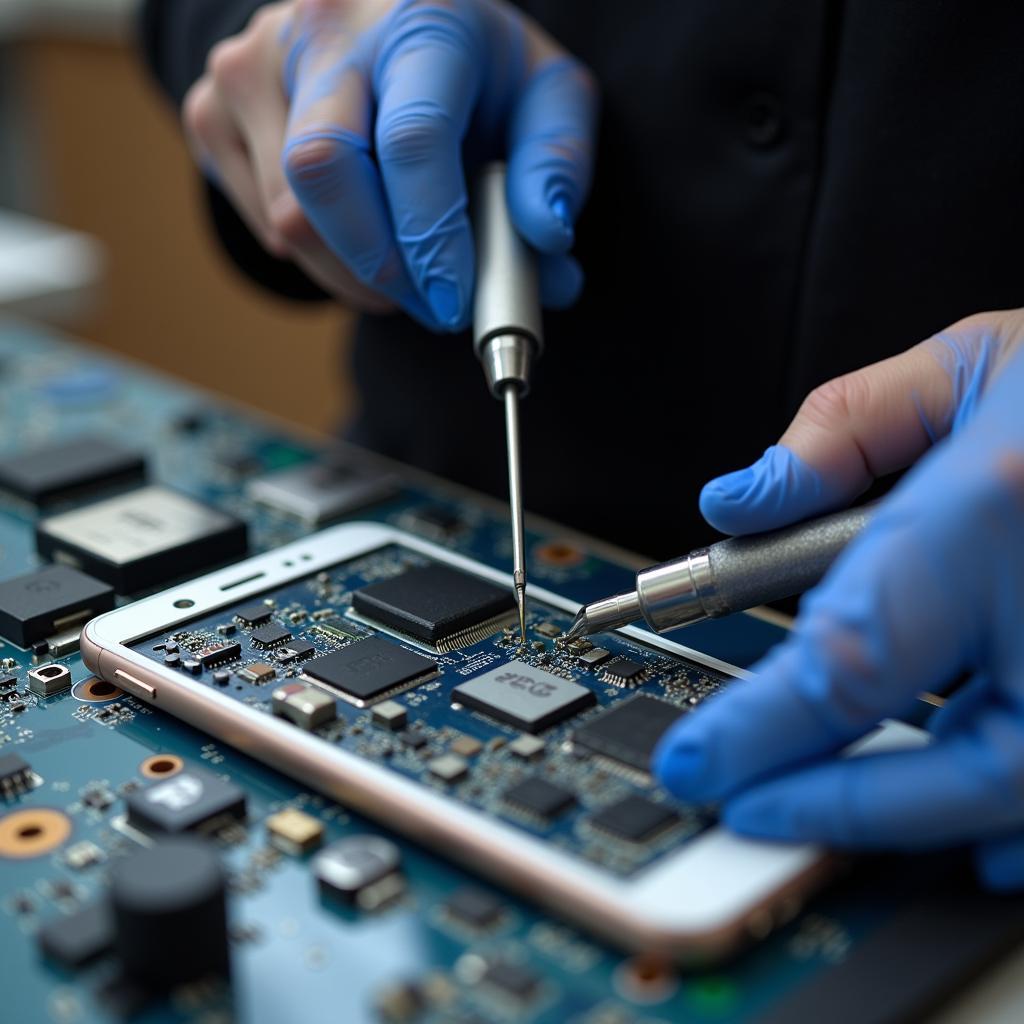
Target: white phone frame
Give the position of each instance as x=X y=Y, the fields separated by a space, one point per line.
x=694 y=905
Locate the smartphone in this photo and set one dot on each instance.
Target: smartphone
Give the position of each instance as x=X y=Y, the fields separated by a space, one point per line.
x=526 y=764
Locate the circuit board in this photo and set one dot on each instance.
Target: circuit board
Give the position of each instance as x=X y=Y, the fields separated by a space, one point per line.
x=541 y=780
x=448 y=947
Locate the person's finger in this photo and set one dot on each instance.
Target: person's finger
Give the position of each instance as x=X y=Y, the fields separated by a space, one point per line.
x=1000 y=863
x=883 y=626
x=847 y=432
x=218 y=146
x=561 y=281
x=426 y=80
x=551 y=143
x=967 y=785
x=329 y=165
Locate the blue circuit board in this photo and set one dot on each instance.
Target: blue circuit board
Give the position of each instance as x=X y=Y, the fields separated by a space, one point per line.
x=294 y=957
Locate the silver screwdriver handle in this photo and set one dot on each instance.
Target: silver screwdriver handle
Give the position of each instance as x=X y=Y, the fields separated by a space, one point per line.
x=507 y=332
x=742 y=572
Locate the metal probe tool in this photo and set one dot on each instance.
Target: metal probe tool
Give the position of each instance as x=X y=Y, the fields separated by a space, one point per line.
x=729 y=576
x=507 y=336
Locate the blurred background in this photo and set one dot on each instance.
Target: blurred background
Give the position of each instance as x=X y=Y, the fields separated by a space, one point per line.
x=102 y=227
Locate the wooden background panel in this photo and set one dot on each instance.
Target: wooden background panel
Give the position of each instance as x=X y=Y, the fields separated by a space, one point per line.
x=113 y=164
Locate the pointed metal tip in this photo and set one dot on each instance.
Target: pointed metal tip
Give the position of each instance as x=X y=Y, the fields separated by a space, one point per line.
x=521 y=602
x=577 y=629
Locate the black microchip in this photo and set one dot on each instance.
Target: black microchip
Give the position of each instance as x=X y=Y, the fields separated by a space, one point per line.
x=629 y=731
x=475 y=907
x=635 y=818
x=15 y=773
x=432 y=603
x=61 y=470
x=366 y=670
x=217 y=654
x=72 y=940
x=188 y=800
x=540 y=797
x=622 y=670
x=295 y=651
x=267 y=636
x=254 y=614
x=34 y=606
x=412 y=739
x=513 y=980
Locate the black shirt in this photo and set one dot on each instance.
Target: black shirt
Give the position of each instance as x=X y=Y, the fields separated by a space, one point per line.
x=784 y=191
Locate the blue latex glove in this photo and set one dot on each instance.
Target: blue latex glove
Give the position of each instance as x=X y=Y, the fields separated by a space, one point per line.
x=932 y=589
x=380 y=119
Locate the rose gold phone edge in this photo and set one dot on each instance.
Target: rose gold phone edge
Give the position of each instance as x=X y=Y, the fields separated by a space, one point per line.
x=410 y=808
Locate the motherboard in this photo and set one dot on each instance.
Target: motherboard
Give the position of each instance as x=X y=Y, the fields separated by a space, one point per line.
x=115 y=483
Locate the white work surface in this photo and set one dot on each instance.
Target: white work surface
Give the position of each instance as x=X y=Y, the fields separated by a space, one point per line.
x=46 y=272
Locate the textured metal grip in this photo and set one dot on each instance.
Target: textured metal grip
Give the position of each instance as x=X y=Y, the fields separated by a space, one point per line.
x=747 y=571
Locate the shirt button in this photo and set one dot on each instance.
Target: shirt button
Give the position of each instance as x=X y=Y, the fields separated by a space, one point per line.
x=763 y=122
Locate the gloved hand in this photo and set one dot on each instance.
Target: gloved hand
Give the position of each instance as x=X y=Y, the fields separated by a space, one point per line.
x=932 y=589
x=338 y=129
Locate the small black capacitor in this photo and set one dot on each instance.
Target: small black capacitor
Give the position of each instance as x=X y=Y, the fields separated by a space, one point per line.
x=170 y=913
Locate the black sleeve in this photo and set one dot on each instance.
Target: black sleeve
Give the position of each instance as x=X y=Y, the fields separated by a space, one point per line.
x=176 y=36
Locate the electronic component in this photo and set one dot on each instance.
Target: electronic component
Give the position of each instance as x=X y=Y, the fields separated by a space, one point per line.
x=391 y=715
x=548 y=629
x=512 y=980
x=437 y=605
x=436 y=520
x=335 y=632
x=254 y=614
x=629 y=731
x=318 y=493
x=192 y=799
x=448 y=768
x=413 y=739
x=47 y=680
x=294 y=831
x=593 y=657
x=170 y=912
x=142 y=539
x=218 y=654
x=15 y=774
x=474 y=907
x=43 y=602
x=635 y=818
x=257 y=673
x=62 y=470
x=539 y=797
x=72 y=940
x=622 y=671
x=269 y=635
x=363 y=871
x=304 y=706
x=83 y=854
x=368 y=670
x=528 y=698
x=526 y=747
x=295 y=651
x=466 y=746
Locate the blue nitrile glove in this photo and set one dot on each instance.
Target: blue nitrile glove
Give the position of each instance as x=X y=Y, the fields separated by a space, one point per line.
x=933 y=588
x=376 y=135
x=338 y=130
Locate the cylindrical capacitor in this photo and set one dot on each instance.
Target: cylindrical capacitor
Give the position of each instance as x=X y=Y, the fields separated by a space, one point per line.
x=170 y=913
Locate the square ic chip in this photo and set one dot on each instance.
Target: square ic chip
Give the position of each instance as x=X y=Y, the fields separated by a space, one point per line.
x=635 y=818
x=62 y=470
x=539 y=797
x=367 y=671
x=41 y=603
x=524 y=696
x=143 y=539
x=189 y=800
x=629 y=731
x=437 y=605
